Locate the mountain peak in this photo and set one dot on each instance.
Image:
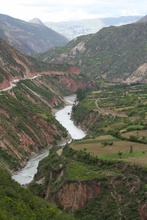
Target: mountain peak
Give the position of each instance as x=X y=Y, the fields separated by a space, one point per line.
x=36 y=21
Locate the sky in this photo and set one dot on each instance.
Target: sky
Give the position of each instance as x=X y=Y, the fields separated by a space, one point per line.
x=67 y=10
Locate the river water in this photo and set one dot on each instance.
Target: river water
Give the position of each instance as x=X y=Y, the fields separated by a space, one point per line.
x=26 y=174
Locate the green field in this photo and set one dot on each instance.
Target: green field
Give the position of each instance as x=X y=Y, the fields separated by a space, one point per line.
x=107 y=147
x=115 y=117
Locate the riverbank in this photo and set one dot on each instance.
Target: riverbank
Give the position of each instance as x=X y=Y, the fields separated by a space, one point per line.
x=26 y=174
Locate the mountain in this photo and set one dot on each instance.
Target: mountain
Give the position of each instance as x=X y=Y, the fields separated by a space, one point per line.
x=77 y=181
x=15 y=66
x=29 y=90
x=27 y=37
x=113 y=53
x=37 y=21
x=72 y=29
x=143 y=20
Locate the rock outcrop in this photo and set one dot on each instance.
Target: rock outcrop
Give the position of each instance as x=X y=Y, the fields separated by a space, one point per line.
x=75 y=195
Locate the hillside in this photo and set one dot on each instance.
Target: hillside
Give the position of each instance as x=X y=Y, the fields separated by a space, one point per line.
x=27 y=37
x=18 y=203
x=28 y=126
x=113 y=53
x=29 y=90
x=112 y=108
x=91 y=188
x=16 y=66
x=102 y=176
x=72 y=29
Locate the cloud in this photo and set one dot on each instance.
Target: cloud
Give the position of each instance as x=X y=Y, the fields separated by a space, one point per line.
x=59 y=10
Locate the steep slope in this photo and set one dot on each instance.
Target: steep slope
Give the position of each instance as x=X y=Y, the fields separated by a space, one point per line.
x=27 y=37
x=112 y=53
x=72 y=29
x=27 y=123
x=18 y=203
x=92 y=188
x=15 y=66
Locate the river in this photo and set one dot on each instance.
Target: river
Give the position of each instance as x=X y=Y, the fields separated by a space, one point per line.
x=26 y=174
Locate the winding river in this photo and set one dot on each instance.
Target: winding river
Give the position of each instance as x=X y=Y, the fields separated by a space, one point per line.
x=26 y=174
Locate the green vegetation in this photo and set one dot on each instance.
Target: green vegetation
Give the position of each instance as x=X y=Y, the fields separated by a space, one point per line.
x=118 y=182
x=114 y=110
x=79 y=171
x=113 y=52
x=106 y=163
x=26 y=119
x=116 y=119
x=105 y=148
x=19 y=203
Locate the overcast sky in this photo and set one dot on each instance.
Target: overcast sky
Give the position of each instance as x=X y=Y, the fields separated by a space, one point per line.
x=64 y=10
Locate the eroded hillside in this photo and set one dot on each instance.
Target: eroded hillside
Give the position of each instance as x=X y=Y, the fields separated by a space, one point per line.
x=115 y=54
x=91 y=188
x=29 y=91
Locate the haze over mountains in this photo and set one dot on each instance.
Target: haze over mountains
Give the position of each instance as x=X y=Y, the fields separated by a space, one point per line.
x=72 y=29
x=35 y=37
x=27 y=37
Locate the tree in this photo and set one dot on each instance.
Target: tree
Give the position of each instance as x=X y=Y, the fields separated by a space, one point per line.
x=131 y=149
x=120 y=154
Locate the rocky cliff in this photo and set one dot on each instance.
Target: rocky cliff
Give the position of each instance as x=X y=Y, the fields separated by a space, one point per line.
x=75 y=195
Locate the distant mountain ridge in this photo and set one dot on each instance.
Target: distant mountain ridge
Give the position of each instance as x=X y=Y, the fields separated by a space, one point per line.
x=72 y=29
x=27 y=37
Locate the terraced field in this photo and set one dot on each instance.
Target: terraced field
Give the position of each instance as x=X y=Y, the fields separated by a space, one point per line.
x=109 y=148
x=116 y=121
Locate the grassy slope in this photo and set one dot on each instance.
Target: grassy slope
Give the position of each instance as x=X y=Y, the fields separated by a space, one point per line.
x=19 y=203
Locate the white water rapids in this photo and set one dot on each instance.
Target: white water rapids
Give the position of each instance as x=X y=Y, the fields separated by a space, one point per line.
x=26 y=174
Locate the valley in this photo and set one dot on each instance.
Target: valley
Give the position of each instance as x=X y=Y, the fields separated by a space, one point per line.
x=103 y=174
x=26 y=174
